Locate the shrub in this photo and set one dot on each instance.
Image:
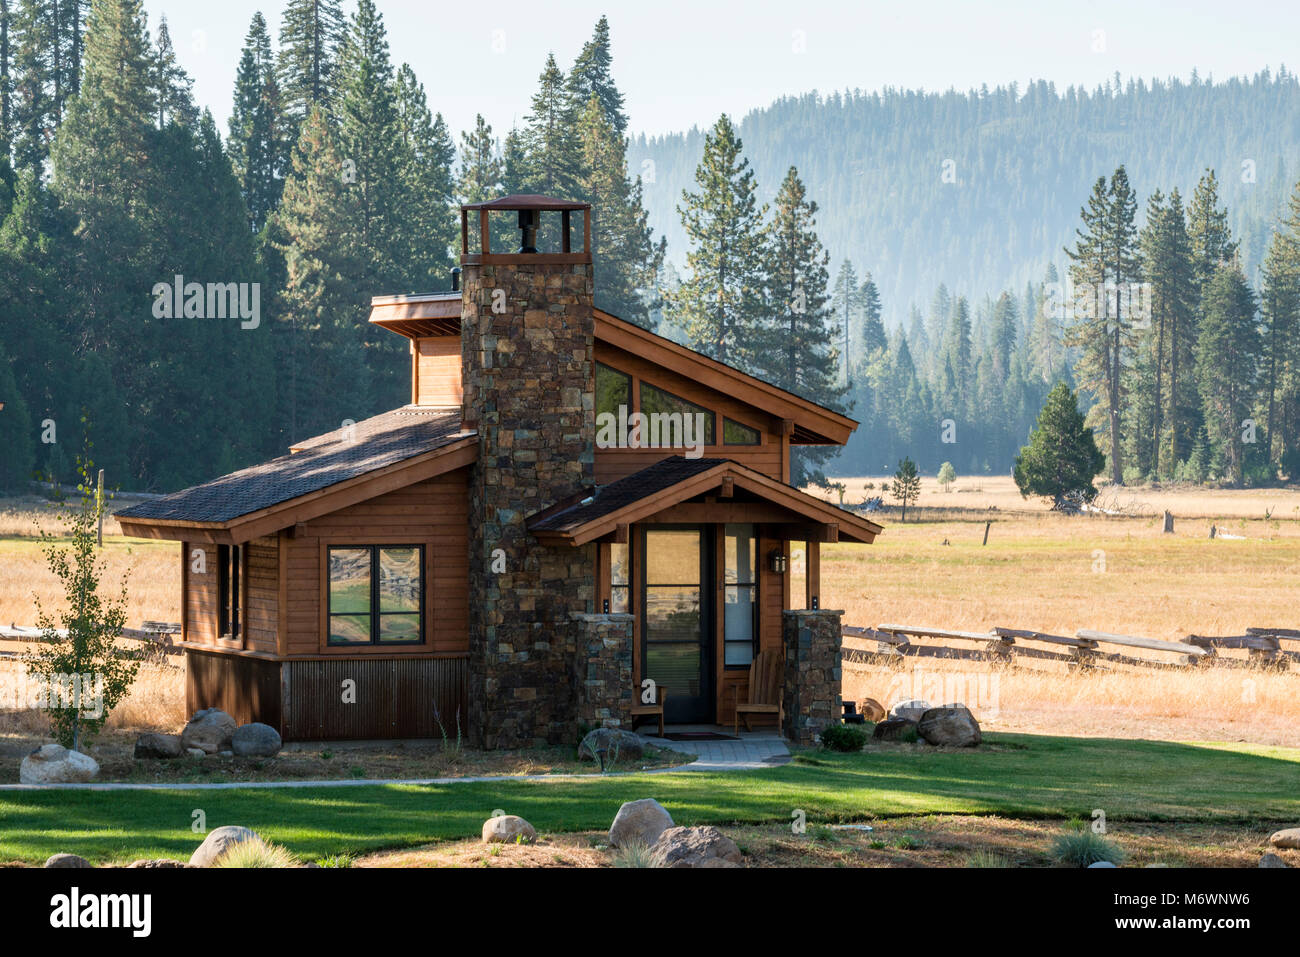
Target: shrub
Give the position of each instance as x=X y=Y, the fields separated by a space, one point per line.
x=336 y=860
x=637 y=854
x=985 y=858
x=255 y=853
x=844 y=737
x=1080 y=847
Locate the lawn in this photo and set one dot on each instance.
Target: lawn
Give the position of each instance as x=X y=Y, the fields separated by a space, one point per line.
x=1020 y=776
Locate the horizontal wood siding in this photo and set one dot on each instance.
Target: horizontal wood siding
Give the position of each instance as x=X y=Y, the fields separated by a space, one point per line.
x=614 y=464
x=432 y=513
x=261 y=594
x=437 y=371
x=201 y=595
x=394 y=698
x=246 y=688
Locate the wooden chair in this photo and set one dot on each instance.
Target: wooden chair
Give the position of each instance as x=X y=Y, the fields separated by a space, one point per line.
x=765 y=690
x=655 y=710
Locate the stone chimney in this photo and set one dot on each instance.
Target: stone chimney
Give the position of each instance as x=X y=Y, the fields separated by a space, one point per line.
x=528 y=372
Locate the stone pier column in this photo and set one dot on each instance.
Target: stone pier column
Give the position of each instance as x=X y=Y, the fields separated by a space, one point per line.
x=812 y=689
x=604 y=665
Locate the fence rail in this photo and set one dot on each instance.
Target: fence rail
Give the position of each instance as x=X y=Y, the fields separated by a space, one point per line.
x=1087 y=649
x=155 y=636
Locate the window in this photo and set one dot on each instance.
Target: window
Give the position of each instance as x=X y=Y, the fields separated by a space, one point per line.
x=376 y=595
x=733 y=433
x=620 y=578
x=655 y=400
x=740 y=596
x=613 y=389
x=228 y=568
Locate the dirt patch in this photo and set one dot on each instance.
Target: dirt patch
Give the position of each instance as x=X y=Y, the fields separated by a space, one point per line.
x=114 y=751
x=937 y=841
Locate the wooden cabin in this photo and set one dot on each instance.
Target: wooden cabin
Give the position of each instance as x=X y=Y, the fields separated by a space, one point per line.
x=569 y=507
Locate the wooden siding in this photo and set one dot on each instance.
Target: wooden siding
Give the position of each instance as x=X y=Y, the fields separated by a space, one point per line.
x=200 y=625
x=770 y=457
x=432 y=513
x=244 y=686
x=261 y=599
x=437 y=371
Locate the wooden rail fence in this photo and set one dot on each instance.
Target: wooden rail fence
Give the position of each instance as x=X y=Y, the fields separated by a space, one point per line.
x=1087 y=649
x=156 y=638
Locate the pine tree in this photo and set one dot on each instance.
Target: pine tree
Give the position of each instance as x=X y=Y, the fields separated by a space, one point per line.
x=1280 y=306
x=873 y=327
x=591 y=76
x=1006 y=322
x=480 y=174
x=719 y=306
x=549 y=139
x=6 y=80
x=626 y=257
x=845 y=305
x=311 y=32
x=427 y=157
x=257 y=137
x=1062 y=457
x=1104 y=261
x=1227 y=356
x=907 y=485
x=171 y=85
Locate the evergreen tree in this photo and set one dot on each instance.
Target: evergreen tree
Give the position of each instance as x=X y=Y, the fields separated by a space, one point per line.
x=15 y=431
x=1280 y=306
x=591 y=76
x=427 y=157
x=6 y=80
x=873 y=327
x=1103 y=263
x=311 y=32
x=1227 y=355
x=1062 y=457
x=480 y=173
x=907 y=484
x=257 y=139
x=845 y=305
x=549 y=138
x=719 y=306
x=171 y=85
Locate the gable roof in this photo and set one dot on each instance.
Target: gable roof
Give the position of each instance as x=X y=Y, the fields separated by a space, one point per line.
x=403 y=446
x=675 y=480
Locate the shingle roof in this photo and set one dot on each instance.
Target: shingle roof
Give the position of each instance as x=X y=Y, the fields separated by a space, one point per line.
x=626 y=491
x=324 y=460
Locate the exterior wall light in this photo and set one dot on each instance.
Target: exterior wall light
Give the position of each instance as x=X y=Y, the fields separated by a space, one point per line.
x=776 y=560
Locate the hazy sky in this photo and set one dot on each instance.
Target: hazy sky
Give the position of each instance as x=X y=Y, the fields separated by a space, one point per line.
x=682 y=63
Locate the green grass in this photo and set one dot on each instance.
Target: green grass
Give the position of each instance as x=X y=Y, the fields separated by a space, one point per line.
x=1019 y=776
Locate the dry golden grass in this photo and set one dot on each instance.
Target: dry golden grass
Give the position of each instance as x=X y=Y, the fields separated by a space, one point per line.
x=156 y=701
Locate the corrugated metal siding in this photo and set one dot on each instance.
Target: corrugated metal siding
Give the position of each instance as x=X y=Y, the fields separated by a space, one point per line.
x=400 y=698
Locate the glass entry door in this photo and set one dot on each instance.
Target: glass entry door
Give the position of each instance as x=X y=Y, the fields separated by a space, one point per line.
x=676 y=639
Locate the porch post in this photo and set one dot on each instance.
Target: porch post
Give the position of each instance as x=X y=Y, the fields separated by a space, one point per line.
x=812 y=681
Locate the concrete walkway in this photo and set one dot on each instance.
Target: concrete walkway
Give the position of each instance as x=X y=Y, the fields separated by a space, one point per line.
x=751 y=751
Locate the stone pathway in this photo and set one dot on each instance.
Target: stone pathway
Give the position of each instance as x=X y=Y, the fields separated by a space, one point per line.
x=752 y=749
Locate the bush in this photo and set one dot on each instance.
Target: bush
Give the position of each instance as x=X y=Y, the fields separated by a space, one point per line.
x=844 y=737
x=985 y=858
x=1081 y=847
x=255 y=853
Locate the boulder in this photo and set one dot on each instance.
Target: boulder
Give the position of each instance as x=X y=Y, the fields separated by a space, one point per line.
x=67 y=860
x=1268 y=860
x=157 y=863
x=1100 y=864
x=893 y=729
x=256 y=741
x=210 y=730
x=508 y=829
x=910 y=710
x=217 y=841
x=159 y=747
x=195 y=753
x=55 y=764
x=697 y=847
x=1289 y=838
x=618 y=745
x=952 y=726
x=872 y=710
x=639 y=822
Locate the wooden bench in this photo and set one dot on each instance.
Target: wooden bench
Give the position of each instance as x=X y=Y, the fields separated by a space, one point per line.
x=653 y=710
x=765 y=688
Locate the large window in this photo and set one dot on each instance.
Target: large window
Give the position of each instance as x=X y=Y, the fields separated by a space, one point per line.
x=613 y=389
x=733 y=433
x=376 y=595
x=229 y=560
x=740 y=596
x=655 y=400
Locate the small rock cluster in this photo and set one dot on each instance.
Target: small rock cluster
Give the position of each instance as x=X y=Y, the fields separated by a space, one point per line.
x=950 y=726
x=211 y=731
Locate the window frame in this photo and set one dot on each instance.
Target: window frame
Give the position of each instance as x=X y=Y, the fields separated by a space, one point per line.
x=230 y=586
x=376 y=612
x=631 y=387
x=712 y=414
x=758 y=433
x=754 y=591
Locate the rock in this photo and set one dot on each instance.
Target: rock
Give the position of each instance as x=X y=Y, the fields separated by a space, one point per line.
x=55 y=764
x=1289 y=838
x=910 y=710
x=697 y=847
x=256 y=741
x=893 y=729
x=952 y=726
x=619 y=745
x=1268 y=860
x=215 y=844
x=639 y=822
x=210 y=730
x=1100 y=864
x=225 y=754
x=195 y=753
x=158 y=862
x=508 y=829
x=161 y=747
x=872 y=710
x=67 y=860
